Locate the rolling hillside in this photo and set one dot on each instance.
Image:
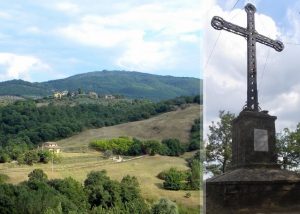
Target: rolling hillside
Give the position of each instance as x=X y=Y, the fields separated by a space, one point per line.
x=78 y=161
x=175 y=124
x=130 y=84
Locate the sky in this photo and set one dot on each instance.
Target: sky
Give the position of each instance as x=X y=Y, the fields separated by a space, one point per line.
x=225 y=65
x=42 y=40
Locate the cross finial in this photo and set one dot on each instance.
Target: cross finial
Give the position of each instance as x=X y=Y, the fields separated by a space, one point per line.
x=252 y=37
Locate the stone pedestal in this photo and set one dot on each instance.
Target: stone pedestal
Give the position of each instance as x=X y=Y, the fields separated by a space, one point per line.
x=255 y=184
x=254 y=140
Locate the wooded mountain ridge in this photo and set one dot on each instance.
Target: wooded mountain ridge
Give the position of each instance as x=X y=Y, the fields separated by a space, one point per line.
x=128 y=83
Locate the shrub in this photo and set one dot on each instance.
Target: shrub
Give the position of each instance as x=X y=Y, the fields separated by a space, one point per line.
x=165 y=206
x=129 y=188
x=174 y=147
x=44 y=156
x=31 y=157
x=188 y=195
x=174 y=179
x=153 y=147
x=101 y=190
x=194 y=145
x=194 y=176
x=4 y=157
x=162 y=175
x=136 y=148
x=3 y=178
x=37 y=175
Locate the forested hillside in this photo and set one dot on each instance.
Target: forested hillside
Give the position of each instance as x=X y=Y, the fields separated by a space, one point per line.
x=25 y=122
x=129 y=84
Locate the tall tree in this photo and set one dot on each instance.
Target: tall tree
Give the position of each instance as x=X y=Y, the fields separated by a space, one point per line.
x=218 y=148
x=288 y=147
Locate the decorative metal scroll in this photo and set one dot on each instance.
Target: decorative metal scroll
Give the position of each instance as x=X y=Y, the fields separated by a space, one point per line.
x=252 y=37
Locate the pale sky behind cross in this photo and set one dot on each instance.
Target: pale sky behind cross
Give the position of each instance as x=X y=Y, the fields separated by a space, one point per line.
x=43 y=40
x=225 y=68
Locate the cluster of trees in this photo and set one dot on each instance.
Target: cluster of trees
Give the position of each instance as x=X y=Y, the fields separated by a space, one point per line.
x=191 y=179
x=98 y=195
x=196 y=135
x=288 y=148
x=133 y=147
x=184 y=100
x=119 y=145
x=218 y=148
x=23 y=155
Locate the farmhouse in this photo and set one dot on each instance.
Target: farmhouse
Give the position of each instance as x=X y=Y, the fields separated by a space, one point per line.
x=93 y=95
x=59 y=94
x=109 y=97
x=51 y=146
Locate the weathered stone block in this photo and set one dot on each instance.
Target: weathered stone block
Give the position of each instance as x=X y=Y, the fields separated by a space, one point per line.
x=253 y=139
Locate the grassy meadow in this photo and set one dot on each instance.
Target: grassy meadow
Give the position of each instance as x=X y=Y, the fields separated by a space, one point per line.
x=174 y=124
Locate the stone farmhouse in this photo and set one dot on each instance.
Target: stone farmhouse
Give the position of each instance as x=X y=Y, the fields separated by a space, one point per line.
x=51 y=146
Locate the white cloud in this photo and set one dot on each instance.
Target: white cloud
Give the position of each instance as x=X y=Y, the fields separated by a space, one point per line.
x=190 y=39
x=146 y=35
x=93 y=35
x=278 y=76
x=33 y=29
x=5 y=15
x=146 y=56
x=20 y=66
x=67 y=7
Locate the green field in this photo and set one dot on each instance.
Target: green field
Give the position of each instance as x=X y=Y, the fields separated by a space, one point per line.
x=78 y=160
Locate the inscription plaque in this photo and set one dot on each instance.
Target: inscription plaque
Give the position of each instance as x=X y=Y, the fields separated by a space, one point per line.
x=261 y=140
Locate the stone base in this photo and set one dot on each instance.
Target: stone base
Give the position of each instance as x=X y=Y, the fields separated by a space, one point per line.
x=253 y=190
x=253 y=139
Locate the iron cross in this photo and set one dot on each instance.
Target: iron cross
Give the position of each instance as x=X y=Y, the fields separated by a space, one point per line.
x=252 y=37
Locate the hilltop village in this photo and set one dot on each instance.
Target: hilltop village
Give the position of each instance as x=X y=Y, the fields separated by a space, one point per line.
x=80 y=93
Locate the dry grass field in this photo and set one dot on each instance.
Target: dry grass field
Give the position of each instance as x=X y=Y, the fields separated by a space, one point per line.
x=175 y=124
x=78 y=164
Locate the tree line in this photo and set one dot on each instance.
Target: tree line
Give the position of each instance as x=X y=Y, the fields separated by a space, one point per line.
x=97 y=195
x=134 y=146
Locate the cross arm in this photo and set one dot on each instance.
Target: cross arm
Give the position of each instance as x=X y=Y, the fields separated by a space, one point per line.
x=220 y=24
x=276 y=44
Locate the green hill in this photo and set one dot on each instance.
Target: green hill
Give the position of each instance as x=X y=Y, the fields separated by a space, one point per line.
x=23 y=89
x=127 y=83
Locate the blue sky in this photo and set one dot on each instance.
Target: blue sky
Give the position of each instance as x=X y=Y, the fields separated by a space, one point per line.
x=277 y=9
x=43 y=40
x=278 y=75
